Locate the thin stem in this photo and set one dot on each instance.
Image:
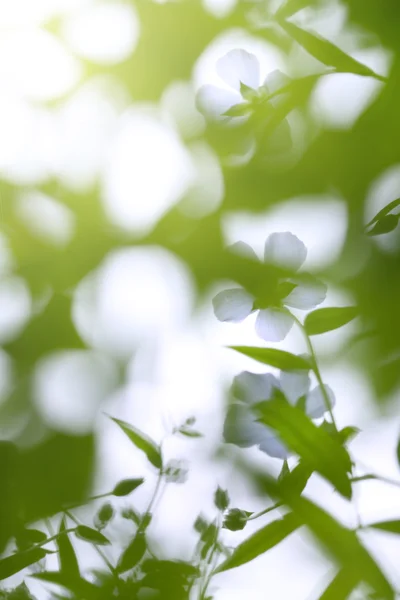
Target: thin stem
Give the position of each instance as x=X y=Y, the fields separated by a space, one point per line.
x=265 y=511
x=208 y=575
x=317 y=372
x=371 y=476
x=99 y=552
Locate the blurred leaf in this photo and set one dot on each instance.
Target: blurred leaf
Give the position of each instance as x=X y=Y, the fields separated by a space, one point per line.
x=341 y=585
x=221 y=499
x=170 y=567
x=55 y=473
x=328 y=319
x=69 y=565
x=141 y=441
x=9 y=499
x=291 y=7
x=384 y=211
x=130 y=515
x=389 y=526
x=91 y=535
x=342 y=543
x=188 y=432
x=75 y=584
x=280 y=359
x=384 y=225
x=29 y=537
x=326 y=52
x=103 y=516
x=238 y=110
x=16 y=562
x=316 y=447
x=125 y=487
x=260 y=542
x=295 y=481
x=133 y=554
x=235 y=519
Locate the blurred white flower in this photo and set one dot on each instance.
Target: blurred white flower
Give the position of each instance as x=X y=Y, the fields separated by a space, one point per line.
x=273 y=321
x=241 y=426
x=240 y=70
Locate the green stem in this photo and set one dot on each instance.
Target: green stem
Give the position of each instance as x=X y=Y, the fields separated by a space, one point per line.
x=316 y=371
x=371 y=476
x=99 y=552
x=265 y=511
x=208 y=573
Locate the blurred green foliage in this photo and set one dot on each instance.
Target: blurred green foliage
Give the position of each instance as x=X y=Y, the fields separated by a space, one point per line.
x=40 y=480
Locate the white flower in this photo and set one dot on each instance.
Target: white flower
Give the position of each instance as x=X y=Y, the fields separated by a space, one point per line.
x=240 y=70
x=241 y=426
x=273 y=322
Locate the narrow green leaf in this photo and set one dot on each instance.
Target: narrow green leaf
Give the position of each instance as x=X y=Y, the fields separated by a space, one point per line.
x=66 y=553
x=319 y=451
x=77 y=585
x=326 y=52
x=341 y=585
x=291 y=7
x=279 y=359
x=295 y=481
x=189 y=432
x=16 y=562
x=91 y=535
x=28 y=537
x=386 y=210
x=328 y=319
x=141 y=441
x=133 y=553
x=384 y=225
x=389 y=526
x=103 y=516
x=238 y=110
x=260 y=542
x=342 y=543
x=126 y=486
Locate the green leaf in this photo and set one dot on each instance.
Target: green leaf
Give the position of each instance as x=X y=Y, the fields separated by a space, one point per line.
x=132 y=554
x=326 y=52
x=91 y=535
x=238 y=110
x=389 y=526
x=328 y=319
x=103 y=516
x=342 y=543
x=260 y=542
x=384 y=225
x=221 y=499
x=77 y=585
x=189 y=432
x=28 y=537
x=291 y=7
x=386 y=210
x=279 y=359
x=16 y=562
x=341 y=585
x=66 y=554
x=142 y=441
x=126 y=486
x=319 y=451
x=236 y=519
x=295 y=481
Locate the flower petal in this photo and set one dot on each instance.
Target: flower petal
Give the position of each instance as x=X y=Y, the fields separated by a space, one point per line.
x=253 y=387
x=241 y=427
x=285 y=250
x=273 y=324
x=315 y=403
x=294 y=384
x=233 y=306
x=213 y=101
x=273 y=446
x=239 y=66
x=243 y=249
x=307 y=294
